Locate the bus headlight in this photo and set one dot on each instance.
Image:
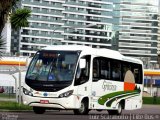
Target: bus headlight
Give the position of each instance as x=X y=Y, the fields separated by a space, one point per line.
x=27 y=92
x=66 y=94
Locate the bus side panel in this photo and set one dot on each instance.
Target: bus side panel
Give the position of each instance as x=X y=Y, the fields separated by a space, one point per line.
x=134 y=102
x=101 y=90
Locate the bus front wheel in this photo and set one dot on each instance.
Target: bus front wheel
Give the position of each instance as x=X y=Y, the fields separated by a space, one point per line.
x=83 y=110
x=116 y=112
x=39 y=110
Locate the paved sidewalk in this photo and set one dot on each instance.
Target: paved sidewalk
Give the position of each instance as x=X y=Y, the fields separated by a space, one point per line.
x=151 y=106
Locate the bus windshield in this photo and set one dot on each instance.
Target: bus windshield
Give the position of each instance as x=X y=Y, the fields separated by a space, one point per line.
x=52 y=66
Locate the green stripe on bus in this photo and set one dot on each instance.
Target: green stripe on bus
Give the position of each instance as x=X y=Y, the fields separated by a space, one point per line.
x=104 y=98
x=109 y=103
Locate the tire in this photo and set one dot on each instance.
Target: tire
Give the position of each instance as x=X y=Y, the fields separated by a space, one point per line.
x=99 y=110
x=39 y=110
x=83 y=110
x=119 y=111
x=116 y=112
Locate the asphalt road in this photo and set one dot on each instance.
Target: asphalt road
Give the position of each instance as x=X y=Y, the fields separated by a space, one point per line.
x=148 y=112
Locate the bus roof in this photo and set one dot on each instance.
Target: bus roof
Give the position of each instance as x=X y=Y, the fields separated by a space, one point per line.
x=67 y=47
x=96 y=51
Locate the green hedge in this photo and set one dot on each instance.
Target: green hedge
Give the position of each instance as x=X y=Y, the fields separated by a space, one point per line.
x=5 y=105
x=4 y=95
x=151 y=100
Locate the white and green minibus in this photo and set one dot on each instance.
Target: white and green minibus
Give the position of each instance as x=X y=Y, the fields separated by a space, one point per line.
x=81 y=78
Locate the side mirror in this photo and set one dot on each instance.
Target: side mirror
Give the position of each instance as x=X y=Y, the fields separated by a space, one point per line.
x=82 y=63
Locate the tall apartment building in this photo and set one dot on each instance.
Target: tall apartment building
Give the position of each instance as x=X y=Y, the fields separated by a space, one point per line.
x=129 y=26
x=158 y=46
x=65 y=21
x=138 y=29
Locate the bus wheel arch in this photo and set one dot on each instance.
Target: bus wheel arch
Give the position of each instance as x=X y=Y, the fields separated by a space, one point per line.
x=122 y=102
x=120 y=106
x=83 y=110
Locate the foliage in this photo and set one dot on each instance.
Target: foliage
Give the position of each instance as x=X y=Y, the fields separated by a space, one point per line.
x=19 y=18
x=5 y=9
x=151 y=100
x=5 y=105
x=4 y=95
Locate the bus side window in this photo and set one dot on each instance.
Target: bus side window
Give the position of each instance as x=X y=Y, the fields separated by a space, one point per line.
x=95 y=68
x=101 y=68
x=137 y=71
x=125 y=67
x=82 y=75
x=104 y=68
x=116 y=70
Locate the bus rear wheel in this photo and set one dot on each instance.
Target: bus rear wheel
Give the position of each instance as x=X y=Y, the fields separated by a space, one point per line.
x=39 y=110
x=116 y=112
x=83 y=110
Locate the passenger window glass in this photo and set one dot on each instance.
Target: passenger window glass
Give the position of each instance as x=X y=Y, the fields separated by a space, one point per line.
x=137 y=71
x=95 y=68
x=104 y=69
x=125 y=68
x=101 y=68
x=116 y=70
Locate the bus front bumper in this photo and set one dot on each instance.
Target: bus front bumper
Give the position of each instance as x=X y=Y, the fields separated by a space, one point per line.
x=52 y=103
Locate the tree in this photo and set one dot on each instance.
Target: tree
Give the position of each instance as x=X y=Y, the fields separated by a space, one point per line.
x=5 y=9
x=18 y=18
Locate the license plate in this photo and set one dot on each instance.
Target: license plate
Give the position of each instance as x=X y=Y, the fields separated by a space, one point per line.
x=44 y=101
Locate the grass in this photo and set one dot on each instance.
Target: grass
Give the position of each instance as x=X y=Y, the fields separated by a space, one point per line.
x=3 y=95
x=5 y=105
x=151 y=100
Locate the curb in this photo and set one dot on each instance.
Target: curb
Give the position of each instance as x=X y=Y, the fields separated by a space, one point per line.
x=150 y=104
x=3 y=110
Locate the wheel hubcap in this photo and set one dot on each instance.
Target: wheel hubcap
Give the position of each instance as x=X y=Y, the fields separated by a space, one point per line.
x=119 y=108
x=81 y=108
